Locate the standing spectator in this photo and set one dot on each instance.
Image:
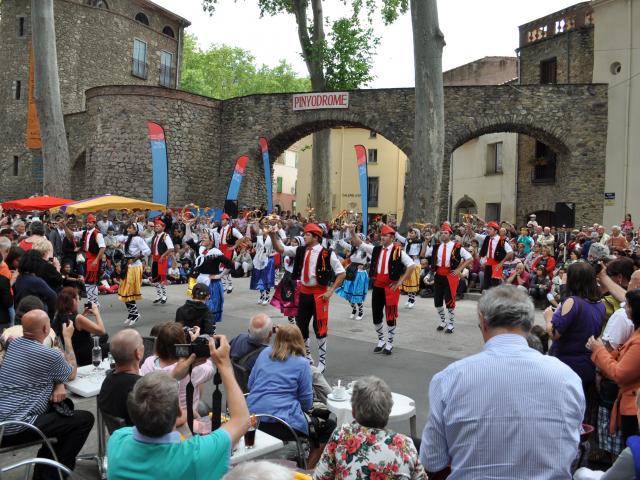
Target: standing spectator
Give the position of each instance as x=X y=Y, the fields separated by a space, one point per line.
x=56 y=236
x=104 y=224
x=32 y=375
x=49 y=266
x=546 y=239
x=627 y=225
x=525 y=239
x=195 y=313
x=29 y=283
x=485 y=410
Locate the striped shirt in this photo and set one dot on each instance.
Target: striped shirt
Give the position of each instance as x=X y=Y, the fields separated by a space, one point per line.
x=507 y=412
x=28 y=374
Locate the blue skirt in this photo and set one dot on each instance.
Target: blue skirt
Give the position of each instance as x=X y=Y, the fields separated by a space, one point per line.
x=355 y=291
x=216 y=300
x=264 y=279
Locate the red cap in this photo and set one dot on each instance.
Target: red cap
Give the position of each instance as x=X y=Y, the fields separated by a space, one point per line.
x=387 y=230
x=446 y=228
x=493 y=225
x=91 y=218
x=159 y=222
x=225 y=217
x=313 y=228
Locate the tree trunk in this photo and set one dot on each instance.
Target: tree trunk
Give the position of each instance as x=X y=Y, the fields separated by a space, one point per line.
x=55 y=151
x=424 y=176
x=321 y=175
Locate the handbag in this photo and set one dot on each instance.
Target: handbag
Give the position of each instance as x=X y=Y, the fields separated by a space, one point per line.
x=65 y=408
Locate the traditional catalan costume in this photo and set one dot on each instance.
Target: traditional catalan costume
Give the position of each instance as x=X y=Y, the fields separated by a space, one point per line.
x=92 y=243
x=388 y=264
x=492 y=252
x=413 y=247
x=263 y=274
x=161 y=243
x=445 y=258
x=129 y=290
x=287 y=294
x=356 y=281
x=314 y=267
x=206 y=265
x=226 y=240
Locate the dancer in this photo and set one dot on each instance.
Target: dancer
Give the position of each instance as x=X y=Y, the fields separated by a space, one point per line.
x=493 y=253
x=210 y=268
x=390 y=267
x=356 y=281
x=161 y=249
x=227 y=237
x=286 y=297
x=135 y=248
x=93 y=247
x=204 y=245
x=449 y=258
x=413 y=247
x=263 y=275
x=313 y=265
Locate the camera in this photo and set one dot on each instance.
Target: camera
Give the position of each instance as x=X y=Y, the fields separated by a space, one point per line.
x=88 y=305
x=200 y=347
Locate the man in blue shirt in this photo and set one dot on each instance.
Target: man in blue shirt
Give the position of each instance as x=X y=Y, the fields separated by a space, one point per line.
x=507 y=412
x=152 y=449
x=247 y=346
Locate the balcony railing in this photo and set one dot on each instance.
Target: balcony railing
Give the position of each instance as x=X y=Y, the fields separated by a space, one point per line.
x=576 y=16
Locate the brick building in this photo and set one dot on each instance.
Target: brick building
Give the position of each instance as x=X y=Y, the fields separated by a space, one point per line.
x=99 y=42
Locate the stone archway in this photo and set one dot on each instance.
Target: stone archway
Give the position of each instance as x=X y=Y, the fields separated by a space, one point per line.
x=466 y=205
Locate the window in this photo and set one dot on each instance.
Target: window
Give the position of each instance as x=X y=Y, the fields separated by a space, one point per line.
x=279 y=185
x=98 y=3
x=372 y=155
x=492 y=211
x=142 y=18
x=16 y=165
x=18 y=90
x=549 y=70
x=494 y=158
x=168 y=31
x=544 y=169
x=372 y=190
x=21 y=27
x=373 y=134
x=166 y=72
x=139 y=66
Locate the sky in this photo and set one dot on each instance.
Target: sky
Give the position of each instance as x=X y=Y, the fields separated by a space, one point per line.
x=472 y=28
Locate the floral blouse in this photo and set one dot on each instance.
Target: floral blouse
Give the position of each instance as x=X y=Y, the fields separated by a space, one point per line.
x=357 y=452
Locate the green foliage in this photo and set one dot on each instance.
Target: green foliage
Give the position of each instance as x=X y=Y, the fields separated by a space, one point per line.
x=225 y=72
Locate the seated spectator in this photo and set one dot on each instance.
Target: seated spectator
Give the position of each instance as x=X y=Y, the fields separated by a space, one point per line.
x=545 y=261
x=246 y=347
x=153 y=450
x=539 y=286
x=367 y=446
x=524 y=396
x=519 y=277
x=574 y=256
x=173 y=274
x=170 y=334
x=617 y=242
x=280 y=384
x=558 y=288
x=195 y=313
x=520 y=254
x=70 y=278
x=262 y=470
x=31 y=376
x=28 y=283
x=84 y=329
x=6 y=294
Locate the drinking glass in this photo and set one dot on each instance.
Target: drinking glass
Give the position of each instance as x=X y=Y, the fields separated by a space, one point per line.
x=250 y=435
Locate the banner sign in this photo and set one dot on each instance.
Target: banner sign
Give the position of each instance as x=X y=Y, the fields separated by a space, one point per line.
x=264 y=147
x=316 y=101
x=236 y=179
x=159 y=165
x=361 y=159
x=34 y=141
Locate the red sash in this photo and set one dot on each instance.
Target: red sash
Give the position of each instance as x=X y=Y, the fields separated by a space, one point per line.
x=92 y=270
x=163 y=265
x=453 y=281
x=322 y=315
x=391 y=297
x=227 y=250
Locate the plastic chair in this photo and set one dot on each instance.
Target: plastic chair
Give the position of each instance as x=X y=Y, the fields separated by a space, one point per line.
x=30 y=463
x=111 y=422
x=47 y=441
x=301 y=458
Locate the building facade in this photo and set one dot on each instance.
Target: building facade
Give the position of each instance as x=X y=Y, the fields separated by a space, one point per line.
x=285 y=176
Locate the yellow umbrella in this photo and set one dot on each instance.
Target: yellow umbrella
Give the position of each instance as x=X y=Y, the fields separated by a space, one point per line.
x=109 y=202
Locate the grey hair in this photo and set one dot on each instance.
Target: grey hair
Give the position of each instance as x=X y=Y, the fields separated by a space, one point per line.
x=507 y=306
x=124 y=345
x=5 y=243
x=17 y=223
x=153 y=404
x=371 y=402
x=260 y=334
x=260 y=470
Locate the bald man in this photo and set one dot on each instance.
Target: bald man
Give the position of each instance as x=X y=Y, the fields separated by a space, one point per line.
x=246 y=347
x=31 y=374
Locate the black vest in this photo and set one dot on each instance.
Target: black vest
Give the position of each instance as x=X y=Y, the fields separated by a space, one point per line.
x=500 y=252
x=93 y=242
x=231 y=240
x=396 y=267
x=454 y=261
x=162 y=246
x=323 y=265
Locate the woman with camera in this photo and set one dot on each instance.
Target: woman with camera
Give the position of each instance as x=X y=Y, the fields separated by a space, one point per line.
x=84 y=328
x=169 y=335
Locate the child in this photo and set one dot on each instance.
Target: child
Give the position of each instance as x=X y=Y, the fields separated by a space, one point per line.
x=195 y=313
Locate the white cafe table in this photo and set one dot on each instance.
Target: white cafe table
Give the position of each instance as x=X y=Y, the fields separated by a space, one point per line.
x=88 y=380
x=263 y=445
x=403 y=408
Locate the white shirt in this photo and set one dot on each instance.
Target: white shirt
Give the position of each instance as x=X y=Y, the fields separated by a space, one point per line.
x=619 y=328
x=224 y=232
x=357 y=255
x=493 y=243
x=413 y=250
x=449 y=248
x=99 y=238
x=155 y=244
x=311 y=256
x=384 y=269
x=137 y=247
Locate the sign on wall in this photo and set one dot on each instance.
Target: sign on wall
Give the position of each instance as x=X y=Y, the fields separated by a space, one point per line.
x=317 y=101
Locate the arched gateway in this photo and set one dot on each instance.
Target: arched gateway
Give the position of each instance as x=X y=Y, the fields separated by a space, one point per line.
x=204 y=137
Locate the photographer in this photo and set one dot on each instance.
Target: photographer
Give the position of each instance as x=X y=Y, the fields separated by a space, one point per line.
x=195 y=313
x=165 y=358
